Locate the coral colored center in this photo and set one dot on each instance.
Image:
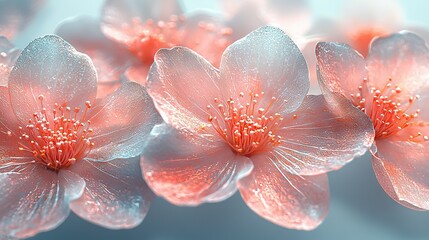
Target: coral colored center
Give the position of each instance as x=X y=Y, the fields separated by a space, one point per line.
x=388 y=108
x=57 y=138
x=151 y=36
x=361 y=39
x=246 y=125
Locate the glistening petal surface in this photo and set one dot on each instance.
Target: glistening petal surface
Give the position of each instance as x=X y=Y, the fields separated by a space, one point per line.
x=115 y=195
x=187 y=169
x=266 y=60
x=51 y=67
x=121 y=122
x=292 y=201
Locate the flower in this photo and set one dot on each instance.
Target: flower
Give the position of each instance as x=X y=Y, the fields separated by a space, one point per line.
x=391 y=86
x=60 y=149
x=249 y=126
x=132 y=31
x=15 y=15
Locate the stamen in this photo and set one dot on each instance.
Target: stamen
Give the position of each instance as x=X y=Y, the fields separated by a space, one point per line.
x=246 y=125
x=57 y=138
x=387 y=107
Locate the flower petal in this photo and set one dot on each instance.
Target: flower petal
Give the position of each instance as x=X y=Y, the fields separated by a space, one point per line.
x=9 y=132
x=14 y=15
x=319 y=138
x=115 y=196
x=119 y=13
x=177 y=71
x=340 y=68
x=205 y=34
x=51 y=67
x=8 y=56
x=110 y=59
x=404 y=58
x=188 y=169
x=35 y=199
x=402 y=169
x=121 y=122
x=292 y=201
x=266 y=60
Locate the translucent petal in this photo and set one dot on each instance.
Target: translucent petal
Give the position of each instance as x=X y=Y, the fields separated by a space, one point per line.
x=34 y=199
x=51 y=67
x=404 y=58
x=319 y=138
x=292 y=201
x=115 y=195
x=121 y=122
x=340 y=68
x=177 y=71
x=187 y=169
x=402 y=170
x=266 y=60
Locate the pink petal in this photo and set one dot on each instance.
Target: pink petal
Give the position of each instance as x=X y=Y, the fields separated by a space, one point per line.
x=292 y=201
x=188 y=169
x=14 y=15
x=402 y=170
x=34 y=199
x=318 y=138
x=9 y=132
x=340 y=68
x=119 y=13
x=205 y=34
x=115 y=196
x=121 y=122
x=267 y=61
x=403 y=57
x=182 y=84
x=8 y=56
x=110 y=59
x=51 y=67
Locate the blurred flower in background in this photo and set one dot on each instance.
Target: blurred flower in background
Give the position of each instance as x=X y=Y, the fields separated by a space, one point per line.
x=16 y=14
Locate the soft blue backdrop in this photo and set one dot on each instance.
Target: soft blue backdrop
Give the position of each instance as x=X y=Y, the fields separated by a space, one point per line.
x=359 y=207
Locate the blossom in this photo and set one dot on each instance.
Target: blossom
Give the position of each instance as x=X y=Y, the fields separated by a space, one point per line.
x=15 y=15
x=132 y=31
x=391 y=86
x=62 y=149
x=248 y=125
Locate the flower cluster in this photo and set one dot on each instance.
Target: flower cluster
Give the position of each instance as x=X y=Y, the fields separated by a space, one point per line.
x=148 y=100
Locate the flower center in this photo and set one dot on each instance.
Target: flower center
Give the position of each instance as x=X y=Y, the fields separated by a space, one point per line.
x=245 y=124
x=152 y=36
x=389 y=110
x=57 y=138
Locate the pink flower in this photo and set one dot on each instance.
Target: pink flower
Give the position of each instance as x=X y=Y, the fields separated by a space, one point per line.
x=134 y=30
x=16 y=14
x=249 y=126
x=62 y=149
x=391 y=86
